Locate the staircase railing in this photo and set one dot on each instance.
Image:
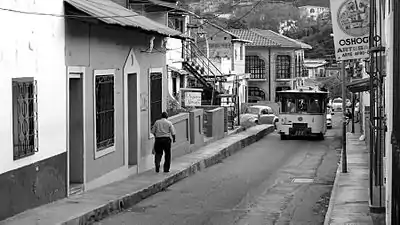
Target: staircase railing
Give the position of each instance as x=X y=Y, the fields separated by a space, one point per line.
x=209 y=71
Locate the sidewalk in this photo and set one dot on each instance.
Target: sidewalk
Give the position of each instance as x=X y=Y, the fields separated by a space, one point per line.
x=94 y=205
x=349 y=203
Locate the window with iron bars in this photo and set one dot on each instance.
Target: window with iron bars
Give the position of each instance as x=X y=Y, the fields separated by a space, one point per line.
x=105 y=111
x=25 y=117
x=282 y=66
x=255 y=66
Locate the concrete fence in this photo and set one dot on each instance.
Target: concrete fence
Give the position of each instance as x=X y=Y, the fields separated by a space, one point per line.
x=189 y=132
x=182 y=124
x=211 y=107
x=215 y=123
x=196 y=128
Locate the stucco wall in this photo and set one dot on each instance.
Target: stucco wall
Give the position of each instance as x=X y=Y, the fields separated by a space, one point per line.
x=105 y=47
x=33 y=46
x=181 y=123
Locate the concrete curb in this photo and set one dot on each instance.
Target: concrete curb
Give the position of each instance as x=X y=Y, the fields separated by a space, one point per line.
x=328 y=214
x=333 y=194
x=131 y=199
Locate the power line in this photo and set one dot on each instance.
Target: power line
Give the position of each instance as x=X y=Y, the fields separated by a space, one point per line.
x=63 y=15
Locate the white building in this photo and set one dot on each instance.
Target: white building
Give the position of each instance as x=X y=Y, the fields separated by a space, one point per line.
x=315 y=67
x=311 y=11
x=33 y=162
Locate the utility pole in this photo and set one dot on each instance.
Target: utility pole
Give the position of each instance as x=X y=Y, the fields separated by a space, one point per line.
x=344 y=97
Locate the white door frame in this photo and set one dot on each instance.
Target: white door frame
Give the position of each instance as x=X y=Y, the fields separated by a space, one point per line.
x=131 y=67
x=76 y=72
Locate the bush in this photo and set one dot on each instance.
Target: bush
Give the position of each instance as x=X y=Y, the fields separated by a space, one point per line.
x=173 y=108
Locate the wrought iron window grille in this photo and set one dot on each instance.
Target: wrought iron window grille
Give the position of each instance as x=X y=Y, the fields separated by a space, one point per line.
x=25 y=117
x=105 y=112
x=282 y=66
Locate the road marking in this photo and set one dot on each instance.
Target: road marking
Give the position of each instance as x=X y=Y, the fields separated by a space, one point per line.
x=303 y=180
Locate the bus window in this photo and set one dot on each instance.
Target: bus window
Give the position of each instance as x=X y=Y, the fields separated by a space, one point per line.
x=314 y=106
x=288 y=105
x=302 y=105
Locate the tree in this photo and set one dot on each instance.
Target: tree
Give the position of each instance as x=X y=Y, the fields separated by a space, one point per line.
x=267 y=15
x=316 y=33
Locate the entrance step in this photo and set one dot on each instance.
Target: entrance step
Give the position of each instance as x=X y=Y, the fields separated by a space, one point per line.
x=75 y=189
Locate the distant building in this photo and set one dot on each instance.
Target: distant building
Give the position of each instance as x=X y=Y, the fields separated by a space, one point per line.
x=274 y=62
x=310 y=11
x=315 y=67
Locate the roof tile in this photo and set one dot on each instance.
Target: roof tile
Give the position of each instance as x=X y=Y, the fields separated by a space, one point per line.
x=112 y=13
x=268 y=38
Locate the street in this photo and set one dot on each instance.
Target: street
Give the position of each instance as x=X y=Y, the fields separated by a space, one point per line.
x=269 y=182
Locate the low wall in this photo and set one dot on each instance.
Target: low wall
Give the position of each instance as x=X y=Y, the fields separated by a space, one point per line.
x=196 y=128
x=215 y=123
x=181 y=123
x=211 y=107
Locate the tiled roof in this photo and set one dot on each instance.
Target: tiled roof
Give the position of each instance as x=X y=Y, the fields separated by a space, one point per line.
x=256 y=38
x=269 y=38
x=112 y=13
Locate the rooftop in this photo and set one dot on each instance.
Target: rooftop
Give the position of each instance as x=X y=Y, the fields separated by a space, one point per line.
x=268 y=38
x=115 y=14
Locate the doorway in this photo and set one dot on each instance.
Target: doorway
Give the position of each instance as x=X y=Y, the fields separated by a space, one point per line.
x=132 y=119
x=76 y=142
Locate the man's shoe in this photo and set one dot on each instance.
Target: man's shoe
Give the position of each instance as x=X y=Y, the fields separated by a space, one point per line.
x=166 y=171
x=157 y=170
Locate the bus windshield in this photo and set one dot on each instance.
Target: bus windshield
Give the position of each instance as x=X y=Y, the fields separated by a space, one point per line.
x=302 y=102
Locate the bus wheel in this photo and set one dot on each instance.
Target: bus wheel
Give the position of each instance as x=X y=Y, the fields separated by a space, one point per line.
x=321 y=136
x=283 y=137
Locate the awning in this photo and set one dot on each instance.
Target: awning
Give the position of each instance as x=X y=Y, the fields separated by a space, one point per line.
x=359 y=85
x=114 y=14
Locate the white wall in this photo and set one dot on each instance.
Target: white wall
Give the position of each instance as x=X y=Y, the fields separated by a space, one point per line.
x=239 y=63
x=174 y=52
x=33 y=46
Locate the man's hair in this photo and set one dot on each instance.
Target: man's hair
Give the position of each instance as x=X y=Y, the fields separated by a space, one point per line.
x=164 y=115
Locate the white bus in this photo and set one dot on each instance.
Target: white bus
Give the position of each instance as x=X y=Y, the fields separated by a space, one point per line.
x=302 y=113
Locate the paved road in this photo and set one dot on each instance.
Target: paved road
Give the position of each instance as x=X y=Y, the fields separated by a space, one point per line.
x=253 y=187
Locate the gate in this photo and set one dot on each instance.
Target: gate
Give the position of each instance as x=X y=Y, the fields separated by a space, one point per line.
x=396 y=119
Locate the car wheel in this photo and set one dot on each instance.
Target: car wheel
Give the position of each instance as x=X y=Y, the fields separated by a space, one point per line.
x=283 y=137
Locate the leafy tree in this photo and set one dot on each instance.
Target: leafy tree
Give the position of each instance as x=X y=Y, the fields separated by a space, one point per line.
x=316 y=33
x=266 y=16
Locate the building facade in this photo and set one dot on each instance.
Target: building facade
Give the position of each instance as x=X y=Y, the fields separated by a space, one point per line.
x=315 y=68
x=273 y=61
x=310 y=11
x=33 y=165
x=118 y=74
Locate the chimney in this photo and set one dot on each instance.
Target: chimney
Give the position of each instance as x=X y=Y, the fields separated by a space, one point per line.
x=123 y=3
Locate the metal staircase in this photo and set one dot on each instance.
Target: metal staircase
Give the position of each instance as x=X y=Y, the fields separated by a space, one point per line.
x=204 y=70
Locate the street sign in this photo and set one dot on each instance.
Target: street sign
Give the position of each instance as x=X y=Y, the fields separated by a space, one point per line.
x=350 y=23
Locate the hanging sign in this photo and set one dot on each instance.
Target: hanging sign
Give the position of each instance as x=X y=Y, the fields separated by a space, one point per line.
x=192 y=98
x=350 y=23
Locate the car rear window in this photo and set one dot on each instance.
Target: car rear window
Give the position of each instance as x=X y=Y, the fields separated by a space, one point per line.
x=337 y=101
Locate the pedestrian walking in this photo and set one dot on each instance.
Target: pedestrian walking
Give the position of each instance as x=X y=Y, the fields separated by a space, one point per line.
x=163 y=130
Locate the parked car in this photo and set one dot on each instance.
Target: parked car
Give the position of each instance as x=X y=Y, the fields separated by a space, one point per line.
x=259 y=114
x=337 y=104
